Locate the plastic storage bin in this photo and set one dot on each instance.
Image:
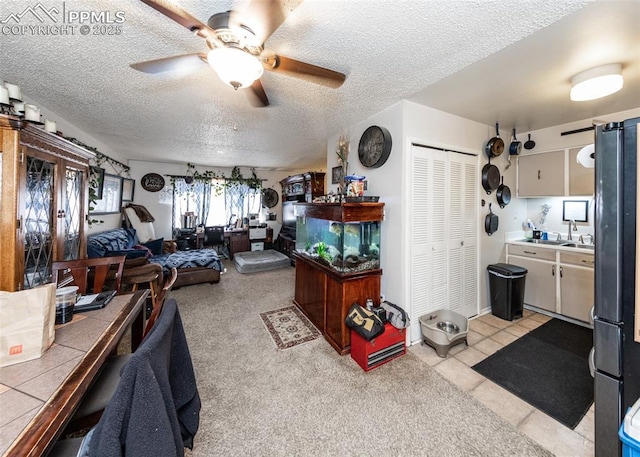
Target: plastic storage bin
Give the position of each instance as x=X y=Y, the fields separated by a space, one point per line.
x=630 y=432
x=506 y=290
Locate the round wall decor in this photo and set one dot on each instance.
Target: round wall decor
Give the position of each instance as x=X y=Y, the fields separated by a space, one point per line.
x=152 y=182
x=374 y=147
x=269 y=197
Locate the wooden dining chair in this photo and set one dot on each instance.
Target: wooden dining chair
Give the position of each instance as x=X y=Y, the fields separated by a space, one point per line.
x=162 y=296
x=90 y=275
x=101 y=391
x=149 y=275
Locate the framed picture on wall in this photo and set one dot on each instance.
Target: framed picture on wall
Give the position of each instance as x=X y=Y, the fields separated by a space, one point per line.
x=336 y=175
x=96 y=181
x=128 y=186
x=111 y=200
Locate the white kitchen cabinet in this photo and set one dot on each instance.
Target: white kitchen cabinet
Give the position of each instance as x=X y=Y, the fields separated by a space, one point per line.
x=581 y=179
x=554 y=174
x=541 y=175
x=576 y=285
x=576 y=292
x=558 y=280
x=540 y=282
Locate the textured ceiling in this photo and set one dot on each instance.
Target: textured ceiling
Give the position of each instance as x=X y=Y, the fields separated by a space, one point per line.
x=389 y=50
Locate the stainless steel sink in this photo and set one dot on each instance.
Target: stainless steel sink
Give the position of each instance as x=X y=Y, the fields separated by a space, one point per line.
x=563 y=243
x=551 y=242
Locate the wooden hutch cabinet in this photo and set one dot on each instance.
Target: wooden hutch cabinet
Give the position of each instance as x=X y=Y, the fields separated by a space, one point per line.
x=303 y=187
x=327 y=285
x=43 y=202
x=297 y=188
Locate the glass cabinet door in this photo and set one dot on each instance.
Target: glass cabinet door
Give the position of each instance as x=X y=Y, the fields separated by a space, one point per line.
x=38 y=222
x=71 y=216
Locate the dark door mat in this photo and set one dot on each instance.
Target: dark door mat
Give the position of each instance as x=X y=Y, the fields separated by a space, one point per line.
x=548 y=368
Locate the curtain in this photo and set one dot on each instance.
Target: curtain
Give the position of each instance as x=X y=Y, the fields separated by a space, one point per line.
x=239 y=200
x=235 y=196
x=194 y=197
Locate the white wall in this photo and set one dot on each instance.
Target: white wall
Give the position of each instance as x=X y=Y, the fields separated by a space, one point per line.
x=412 y=123
x=386 y=182
x=162 y=212
x=435 y=128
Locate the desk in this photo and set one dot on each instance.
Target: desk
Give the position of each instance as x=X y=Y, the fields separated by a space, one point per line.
x=238 y=241
x=38 y=397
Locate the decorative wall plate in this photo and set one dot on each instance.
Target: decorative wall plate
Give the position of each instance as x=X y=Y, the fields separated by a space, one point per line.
x=152 y=182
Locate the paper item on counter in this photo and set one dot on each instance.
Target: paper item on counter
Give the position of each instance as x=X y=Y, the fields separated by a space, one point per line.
x=86 y=299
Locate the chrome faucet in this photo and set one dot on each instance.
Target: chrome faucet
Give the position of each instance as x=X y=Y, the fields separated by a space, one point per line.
x=589 y=236
x=575 y=229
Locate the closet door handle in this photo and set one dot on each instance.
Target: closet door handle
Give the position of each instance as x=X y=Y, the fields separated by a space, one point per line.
x=561 y=272
x=553 y=270
x=538 y=174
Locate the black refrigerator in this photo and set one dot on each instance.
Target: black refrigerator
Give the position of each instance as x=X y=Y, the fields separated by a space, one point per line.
x=616 y=325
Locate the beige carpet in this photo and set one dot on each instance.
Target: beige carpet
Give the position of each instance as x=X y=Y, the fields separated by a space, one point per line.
x=308 y=400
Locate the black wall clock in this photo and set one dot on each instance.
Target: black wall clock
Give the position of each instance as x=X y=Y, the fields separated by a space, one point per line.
x=374 y=147
x=152 y=182
x=269 y=197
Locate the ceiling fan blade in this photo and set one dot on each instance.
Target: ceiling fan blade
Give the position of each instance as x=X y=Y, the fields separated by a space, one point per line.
x=264 y=16
x=170 y=63
x=307 y=71
x=256 y=95
x=183 y=18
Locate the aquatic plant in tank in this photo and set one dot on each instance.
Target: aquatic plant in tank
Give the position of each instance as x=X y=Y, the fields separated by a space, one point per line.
x=347 y=247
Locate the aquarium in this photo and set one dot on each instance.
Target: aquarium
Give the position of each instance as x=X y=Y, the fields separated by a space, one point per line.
x=346 y=247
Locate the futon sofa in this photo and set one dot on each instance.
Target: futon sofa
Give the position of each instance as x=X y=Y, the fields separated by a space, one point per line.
x=194 y=266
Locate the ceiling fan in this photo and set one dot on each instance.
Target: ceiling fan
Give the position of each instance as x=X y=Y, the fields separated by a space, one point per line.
x=236 y=47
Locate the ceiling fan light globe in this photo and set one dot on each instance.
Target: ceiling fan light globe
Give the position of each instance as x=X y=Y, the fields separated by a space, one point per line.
x=235 y=67
x=596 y=83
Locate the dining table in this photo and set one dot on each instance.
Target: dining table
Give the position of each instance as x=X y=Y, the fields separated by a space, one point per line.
x=38 y=397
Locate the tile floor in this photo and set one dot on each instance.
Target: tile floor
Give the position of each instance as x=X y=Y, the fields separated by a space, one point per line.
x=487 y=334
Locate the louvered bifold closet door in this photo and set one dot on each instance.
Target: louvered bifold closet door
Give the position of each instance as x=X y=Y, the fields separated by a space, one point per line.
x=462 y=240
x=443 y=245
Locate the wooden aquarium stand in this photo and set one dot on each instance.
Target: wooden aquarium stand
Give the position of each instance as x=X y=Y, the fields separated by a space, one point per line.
x=325 y=295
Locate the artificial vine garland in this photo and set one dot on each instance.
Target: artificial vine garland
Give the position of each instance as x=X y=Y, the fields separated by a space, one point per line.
x=236 y=178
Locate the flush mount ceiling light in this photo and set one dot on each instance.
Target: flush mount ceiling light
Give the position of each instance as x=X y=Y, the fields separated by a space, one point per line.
x=235 y=67
x=596 y=82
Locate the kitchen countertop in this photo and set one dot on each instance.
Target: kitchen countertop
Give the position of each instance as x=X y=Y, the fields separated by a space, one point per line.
x=588 y=249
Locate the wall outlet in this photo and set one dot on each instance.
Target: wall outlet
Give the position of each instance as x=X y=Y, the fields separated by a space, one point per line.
x=382 y=298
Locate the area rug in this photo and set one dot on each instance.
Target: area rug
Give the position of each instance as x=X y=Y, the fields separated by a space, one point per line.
x=288 y=327
x=548 y=368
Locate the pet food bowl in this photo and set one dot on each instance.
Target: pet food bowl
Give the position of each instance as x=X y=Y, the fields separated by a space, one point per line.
x=448 y=327
x=443 y=329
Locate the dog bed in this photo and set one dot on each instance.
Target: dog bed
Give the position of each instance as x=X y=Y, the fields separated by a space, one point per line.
x=254 y=261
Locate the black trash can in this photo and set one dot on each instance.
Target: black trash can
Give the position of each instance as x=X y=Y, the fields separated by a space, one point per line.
x=506 y=290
